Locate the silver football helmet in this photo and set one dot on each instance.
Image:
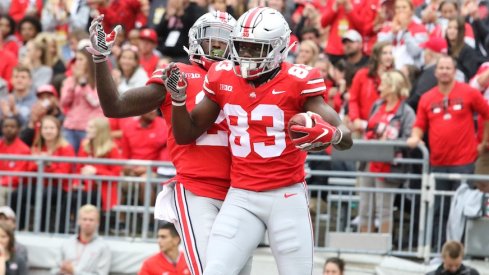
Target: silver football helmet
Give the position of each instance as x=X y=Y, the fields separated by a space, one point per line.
x=259 y=42
x=209 y=29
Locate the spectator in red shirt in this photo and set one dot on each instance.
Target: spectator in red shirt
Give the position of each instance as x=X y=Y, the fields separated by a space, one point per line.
x=12 y=145
x=170 y=260
x=446 y=114
x=9 y=61
x=144 y=139
x=148 y=57
x=364 y=89
x=99 y=144
x=50 y=143
x=21 y=8
x=117 y=12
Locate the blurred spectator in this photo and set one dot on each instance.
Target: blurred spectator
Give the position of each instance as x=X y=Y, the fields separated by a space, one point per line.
x=4 y=6
x=312 y=34
x=28 y=27
x=405 y=34
x=7 y=31
x=156 y=12
x=9 y=61
x=308 y=53
x=46 y=104
x=364 y=90
x=173 y=29
x=22 y=97
x=86 y=252
x=50 y=143
x=434 y=48
x=468 y=59
x=340 y=16
x=453 y=255
x=307 y=16
x=10 y=262
x=11 y=144
x=337 y=86
x=7 y=215
x=390 y=119
x=352 y=47
x=144 y=139
x=375 y=15
x=69 y=50
x=449 y=10
x=55 y=15
x=79 y=98
x=222 y=6
x=476 y=14
x=117 y=12
x=53 y=57
x=169 y=260
x=79 y=16
x=334 y=266
x=148 y=56
x=133 y=37
x=481 y=82
x=443 y=110
x=36 y=59
x=22 y=9
x=99 y=144
x=129 y=74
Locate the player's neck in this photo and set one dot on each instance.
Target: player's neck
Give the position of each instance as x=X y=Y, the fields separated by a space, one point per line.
x=264 y=78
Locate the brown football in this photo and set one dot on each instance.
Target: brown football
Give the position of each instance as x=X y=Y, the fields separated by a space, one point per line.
x=302 y=119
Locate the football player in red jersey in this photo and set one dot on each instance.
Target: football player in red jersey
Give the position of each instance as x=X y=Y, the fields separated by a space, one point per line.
x=258 y=93
x=203 y=178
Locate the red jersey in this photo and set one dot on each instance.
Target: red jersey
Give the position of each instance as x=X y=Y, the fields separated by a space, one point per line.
x=65 y=150
x=17 y=147
x=143 y=143
x=159 y=264
x=264 y=157
x=450 y=125
x=149 y=64
x=108 y=189
x=363 y=93
x=202 y=166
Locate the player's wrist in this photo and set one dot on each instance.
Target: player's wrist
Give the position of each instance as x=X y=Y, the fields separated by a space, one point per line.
x=178 y=103
x=337 y=137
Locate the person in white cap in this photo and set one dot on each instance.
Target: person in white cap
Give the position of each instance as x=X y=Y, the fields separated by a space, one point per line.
x=352 y=47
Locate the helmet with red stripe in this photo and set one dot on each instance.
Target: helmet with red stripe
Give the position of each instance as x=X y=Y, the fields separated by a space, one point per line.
x=259 y=42
x=209 y=38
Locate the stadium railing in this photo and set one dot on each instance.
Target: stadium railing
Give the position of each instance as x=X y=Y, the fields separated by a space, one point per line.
x=334 y=211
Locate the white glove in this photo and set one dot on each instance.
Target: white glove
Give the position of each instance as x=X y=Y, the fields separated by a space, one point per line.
x=101 y=42
x=175 y=84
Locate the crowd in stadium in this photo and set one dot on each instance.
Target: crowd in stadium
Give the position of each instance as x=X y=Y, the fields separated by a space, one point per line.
x=394 y=69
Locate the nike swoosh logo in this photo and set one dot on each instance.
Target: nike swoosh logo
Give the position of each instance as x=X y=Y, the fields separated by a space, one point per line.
x=277 y=92
x=289 y=195
x=325 y=132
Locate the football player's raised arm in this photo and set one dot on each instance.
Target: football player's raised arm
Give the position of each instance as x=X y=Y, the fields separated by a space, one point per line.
x=317 y=105
x=187 y=127
x=133 y=102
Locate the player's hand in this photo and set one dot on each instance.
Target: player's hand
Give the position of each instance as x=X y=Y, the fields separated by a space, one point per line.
x=175 y=84
x=321 y=135
x=101 y=43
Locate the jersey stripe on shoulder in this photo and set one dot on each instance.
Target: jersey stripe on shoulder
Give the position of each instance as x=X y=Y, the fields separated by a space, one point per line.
x=315 y=81
x=314 y=90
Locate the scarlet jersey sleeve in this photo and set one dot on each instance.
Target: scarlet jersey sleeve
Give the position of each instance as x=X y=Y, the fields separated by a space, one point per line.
x=311 y=84
x=156 y=77
x=213 y=75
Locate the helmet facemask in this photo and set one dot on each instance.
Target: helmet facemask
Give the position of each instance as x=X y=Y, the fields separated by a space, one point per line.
x=256 y=57
x=209 y=43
